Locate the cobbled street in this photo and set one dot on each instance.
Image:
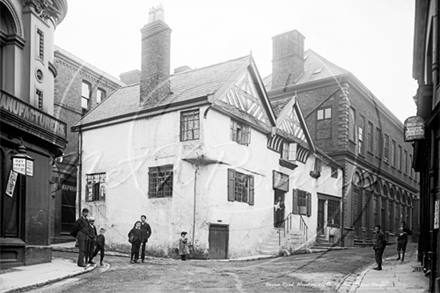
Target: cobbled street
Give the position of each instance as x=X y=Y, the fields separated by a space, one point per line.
x=316 y=272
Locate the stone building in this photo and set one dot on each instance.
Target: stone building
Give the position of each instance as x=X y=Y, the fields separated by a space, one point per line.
x=79 y=88
x=203 y=151
x=426 y=149
x=356 y=130
x=30 y=136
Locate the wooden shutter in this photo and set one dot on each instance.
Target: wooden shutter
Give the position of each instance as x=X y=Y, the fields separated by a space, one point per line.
x=248 y=135
x=251 y=190
x=309 y=204
x=295 y=201
x=231 y=184
x=292 y=152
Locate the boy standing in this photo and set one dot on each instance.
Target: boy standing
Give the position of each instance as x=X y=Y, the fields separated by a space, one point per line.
x=402 y=240
x=183 y=246
x=146 y=233
x=100 y=243
x=379 y=246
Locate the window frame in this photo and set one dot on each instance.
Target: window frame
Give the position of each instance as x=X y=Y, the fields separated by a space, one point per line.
x=83 y=97
x=399 y=159
x=352 y=125
x=334 y=215
x=370 y=135
x=405 y=163
x=185 y=123
x=305 y=196
x=162 y=177
x=95 y=187
x=361 y=135
x=393 y=154
x=386 y=148
x=378 y=140
x=245 y=132
x=99 y=98
x=232 y=187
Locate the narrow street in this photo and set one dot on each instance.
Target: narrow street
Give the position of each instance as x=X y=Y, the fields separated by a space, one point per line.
x=317 y=272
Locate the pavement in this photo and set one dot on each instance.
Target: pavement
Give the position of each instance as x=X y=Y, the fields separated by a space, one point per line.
x=395 y=276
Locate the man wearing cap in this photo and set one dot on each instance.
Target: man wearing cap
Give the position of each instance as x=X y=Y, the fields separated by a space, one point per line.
x=81 y=230
x=146 y=233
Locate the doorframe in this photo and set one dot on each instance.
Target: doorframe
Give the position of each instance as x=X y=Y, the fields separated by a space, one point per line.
x=227 y=238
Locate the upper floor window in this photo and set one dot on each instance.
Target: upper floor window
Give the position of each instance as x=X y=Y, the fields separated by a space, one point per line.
x=240 y=187
x=393 y=153
x=405 y=156
x=399 y=158
x=86 y=90
x=361 y=146
x=289 y=151
x=370 y=138
x=189 y=125
x=39 y=96
x=379 y=142
x=324 y=114
x=302 y=202
x=240 y=133
x=40 y=44
x=160 y=181
x=324 y=123
x=100 y=96
x=386 y=146
x=411 y=172
x=351 y=124
x=95 y=188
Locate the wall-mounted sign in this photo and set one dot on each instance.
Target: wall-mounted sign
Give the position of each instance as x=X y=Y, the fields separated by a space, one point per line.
x=19 y=165
x=414 y=128
x=280 y=181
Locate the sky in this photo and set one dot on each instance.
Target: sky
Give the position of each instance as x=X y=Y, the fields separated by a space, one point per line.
x=373 y=39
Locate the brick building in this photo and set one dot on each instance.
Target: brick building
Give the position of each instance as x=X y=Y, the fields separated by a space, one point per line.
x=27 y=128
x=427 y=98
x=79 y=88
x=354 y=128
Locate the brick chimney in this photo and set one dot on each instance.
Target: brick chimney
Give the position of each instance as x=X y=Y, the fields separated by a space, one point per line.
x=155 y=67
x=130 y=77
x=287 y=58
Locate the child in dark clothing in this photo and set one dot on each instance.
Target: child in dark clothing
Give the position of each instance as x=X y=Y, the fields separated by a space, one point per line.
x=183 y=246
x=100 y=243
x=136 y=235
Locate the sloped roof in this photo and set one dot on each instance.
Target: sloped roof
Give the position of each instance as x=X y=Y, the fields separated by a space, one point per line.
x=316 y=67
x=184 y=86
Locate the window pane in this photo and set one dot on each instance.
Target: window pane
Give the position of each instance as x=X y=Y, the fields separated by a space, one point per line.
x=100 y=96
x=328 y=113
x=320 y=114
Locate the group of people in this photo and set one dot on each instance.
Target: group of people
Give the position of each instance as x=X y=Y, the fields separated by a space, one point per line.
x=380 y=244
x=89 y=241
x=138 y=236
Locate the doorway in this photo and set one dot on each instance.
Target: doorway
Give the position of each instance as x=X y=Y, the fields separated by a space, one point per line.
x=321 y=220
x=279 y=207
x=218 y=241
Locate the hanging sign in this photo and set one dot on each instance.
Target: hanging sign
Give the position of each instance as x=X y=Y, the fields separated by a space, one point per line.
x=10 y=186
x=280 y=181
x=19 y=165
x=29 y=168
x=414 y=128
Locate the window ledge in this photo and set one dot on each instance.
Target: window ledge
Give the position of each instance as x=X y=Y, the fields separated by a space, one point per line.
x=288 y=164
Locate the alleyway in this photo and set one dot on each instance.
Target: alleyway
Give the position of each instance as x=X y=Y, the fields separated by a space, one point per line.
x=318 y=272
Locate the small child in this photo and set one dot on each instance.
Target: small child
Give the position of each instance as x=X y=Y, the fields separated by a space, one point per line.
x=183 y=246
x=100 y=243
x=136 y=234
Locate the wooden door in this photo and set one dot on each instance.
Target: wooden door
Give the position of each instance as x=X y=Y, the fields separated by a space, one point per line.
x=67 y=211
x=321 y=206
x=218 y=241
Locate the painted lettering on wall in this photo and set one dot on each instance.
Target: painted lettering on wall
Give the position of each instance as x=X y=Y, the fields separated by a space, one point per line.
x=32 y=115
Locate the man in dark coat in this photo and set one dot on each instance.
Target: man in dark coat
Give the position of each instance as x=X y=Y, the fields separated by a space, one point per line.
x=81 y=230
x=402 y=240
x=379 y=246
x=146 y=233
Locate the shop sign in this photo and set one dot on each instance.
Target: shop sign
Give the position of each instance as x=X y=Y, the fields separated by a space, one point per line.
x=414 y=128
x=280 y=181
x=32 y=114
x=10 y=186
x=19 y=165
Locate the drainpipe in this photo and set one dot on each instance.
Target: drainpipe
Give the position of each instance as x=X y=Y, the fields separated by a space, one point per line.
x=195 y=203
x=79 y=173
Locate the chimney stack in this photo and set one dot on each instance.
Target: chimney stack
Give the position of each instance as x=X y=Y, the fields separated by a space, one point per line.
x=287 y=58
x=155 y=67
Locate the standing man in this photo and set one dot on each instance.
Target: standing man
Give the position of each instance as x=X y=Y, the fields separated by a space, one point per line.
x=81 y=230
x=379 y=246
x=402 y=240
x=146 y=233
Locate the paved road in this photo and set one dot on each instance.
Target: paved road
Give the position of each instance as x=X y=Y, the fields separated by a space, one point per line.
x=318 y=272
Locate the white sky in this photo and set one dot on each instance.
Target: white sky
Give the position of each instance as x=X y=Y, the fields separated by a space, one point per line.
x=373 y=39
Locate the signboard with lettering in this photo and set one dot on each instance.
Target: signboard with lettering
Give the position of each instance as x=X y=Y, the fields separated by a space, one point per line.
x=19 y=165
x=10 y=186
x=29 y=168
x=31 y=114
x=414 y=128
x=280 y=181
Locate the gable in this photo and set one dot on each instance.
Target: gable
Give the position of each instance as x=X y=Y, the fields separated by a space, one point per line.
x=244 y=96
x=291 y=122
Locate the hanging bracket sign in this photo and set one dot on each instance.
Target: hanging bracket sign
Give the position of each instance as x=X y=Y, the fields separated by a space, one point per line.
x=414 y=128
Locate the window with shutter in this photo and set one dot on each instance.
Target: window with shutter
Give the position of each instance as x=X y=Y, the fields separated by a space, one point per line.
x=292 y=152
x=231 y=185
x=240 y=133
x=251 y=190
x=309 y=204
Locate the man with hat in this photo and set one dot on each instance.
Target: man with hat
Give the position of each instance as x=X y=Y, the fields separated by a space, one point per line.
x=90 y=243
x=146 y=233
x=81 y=230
